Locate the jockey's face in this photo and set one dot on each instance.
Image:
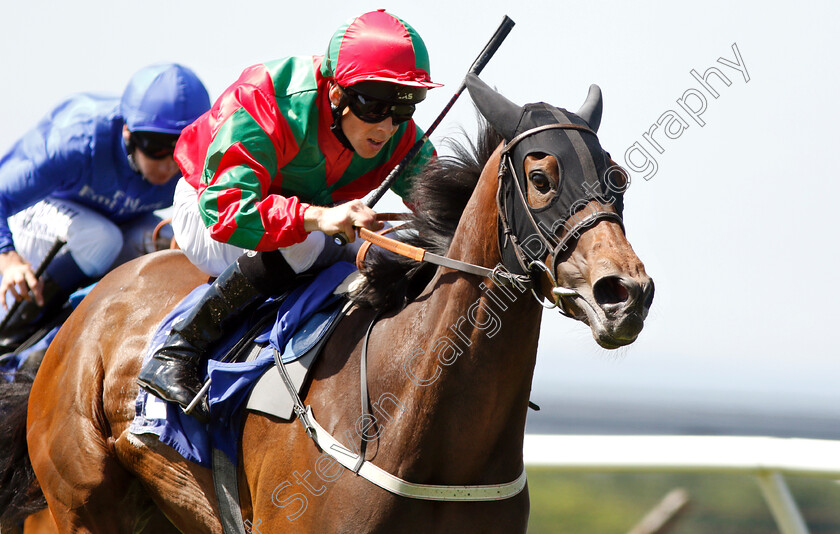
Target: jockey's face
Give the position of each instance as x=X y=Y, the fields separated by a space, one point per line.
x=155 y=171
x=367 y=139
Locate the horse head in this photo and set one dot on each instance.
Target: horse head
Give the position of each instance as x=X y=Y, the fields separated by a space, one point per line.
x=560 y=202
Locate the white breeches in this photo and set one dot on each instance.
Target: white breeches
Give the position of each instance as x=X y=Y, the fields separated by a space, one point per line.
x=213 y=257
x=95 y=243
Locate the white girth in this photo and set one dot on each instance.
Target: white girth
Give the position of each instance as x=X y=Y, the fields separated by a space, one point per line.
x=398 y=486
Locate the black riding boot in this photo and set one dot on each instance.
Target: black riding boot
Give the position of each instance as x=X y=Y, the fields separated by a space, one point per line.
x=173 y=371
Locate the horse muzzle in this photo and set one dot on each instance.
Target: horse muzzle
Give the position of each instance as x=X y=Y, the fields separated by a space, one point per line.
x=614 y=307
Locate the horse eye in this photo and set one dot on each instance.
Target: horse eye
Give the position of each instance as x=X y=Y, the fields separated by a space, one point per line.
x=540 y=181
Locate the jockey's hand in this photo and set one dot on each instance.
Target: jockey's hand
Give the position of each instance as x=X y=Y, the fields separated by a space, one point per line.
x=341 y=219
x=18 y=279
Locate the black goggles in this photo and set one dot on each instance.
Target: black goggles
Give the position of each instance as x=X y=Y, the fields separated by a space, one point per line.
x=155 y=145
x=372 y=111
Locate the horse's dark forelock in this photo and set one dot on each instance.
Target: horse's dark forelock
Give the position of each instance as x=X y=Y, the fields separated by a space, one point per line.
x=439 y=195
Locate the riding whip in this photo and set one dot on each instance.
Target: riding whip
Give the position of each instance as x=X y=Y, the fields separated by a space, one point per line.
x=478 y=65
x=60 y=242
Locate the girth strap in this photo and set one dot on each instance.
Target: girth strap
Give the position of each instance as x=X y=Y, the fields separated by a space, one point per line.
x=227 y=493
x=362 y=467
x=398 y=486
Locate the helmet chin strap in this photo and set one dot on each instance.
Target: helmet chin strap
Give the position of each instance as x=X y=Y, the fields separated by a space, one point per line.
x=130 y=147
x=335 y=127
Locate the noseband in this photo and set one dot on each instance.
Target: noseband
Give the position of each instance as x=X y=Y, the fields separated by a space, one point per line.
x=531 y=269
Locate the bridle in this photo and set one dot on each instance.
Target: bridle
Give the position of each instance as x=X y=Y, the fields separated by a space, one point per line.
x=556 y=247
x=533 y=268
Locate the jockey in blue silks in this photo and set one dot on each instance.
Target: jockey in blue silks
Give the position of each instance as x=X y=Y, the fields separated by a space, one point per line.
x=90 y=173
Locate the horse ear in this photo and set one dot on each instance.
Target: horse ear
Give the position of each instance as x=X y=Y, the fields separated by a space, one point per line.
x=501 y=113
x=591 y=110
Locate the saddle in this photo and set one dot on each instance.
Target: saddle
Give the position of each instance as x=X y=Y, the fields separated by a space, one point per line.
x=270 y=394
x=242 y=370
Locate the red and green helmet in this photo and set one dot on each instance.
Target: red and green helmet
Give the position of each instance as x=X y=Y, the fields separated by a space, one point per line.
x=377 y=46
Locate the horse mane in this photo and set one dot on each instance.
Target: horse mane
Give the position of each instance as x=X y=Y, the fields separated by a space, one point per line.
x=439 y=195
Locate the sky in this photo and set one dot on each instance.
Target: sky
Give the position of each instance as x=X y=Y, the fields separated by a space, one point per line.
x=736 y=224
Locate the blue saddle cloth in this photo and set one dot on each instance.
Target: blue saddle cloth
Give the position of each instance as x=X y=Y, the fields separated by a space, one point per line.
x=305 y=310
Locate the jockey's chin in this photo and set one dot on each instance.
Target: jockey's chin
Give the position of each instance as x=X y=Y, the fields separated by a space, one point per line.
x=156 y=171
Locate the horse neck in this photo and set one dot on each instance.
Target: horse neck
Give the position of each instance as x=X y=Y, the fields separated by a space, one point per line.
x=471 y=382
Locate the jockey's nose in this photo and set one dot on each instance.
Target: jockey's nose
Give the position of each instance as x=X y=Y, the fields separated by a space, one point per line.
x=387 y=125
x=161 y=171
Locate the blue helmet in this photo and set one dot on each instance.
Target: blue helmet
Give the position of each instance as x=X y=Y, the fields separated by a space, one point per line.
x=163 y=98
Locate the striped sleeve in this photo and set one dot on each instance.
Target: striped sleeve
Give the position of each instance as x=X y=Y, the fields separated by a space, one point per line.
x=249 y=140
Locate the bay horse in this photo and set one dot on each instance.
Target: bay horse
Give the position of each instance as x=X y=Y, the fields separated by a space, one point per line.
x=450 y=357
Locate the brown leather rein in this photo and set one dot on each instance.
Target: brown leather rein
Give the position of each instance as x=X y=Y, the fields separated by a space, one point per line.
x=419 y=254
x=499 y=273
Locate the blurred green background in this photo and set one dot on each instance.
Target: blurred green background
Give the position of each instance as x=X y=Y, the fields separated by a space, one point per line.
x=563 y=503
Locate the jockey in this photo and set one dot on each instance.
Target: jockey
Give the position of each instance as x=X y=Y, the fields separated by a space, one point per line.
x=91 y=173
x=279 y=164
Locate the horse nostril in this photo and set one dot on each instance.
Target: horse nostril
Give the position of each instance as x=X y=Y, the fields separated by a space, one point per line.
x=610 y=290
x=649 y=290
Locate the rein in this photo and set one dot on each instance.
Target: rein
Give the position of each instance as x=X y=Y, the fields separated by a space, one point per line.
x=498 y=273
x=420 y=254
x=532 y=267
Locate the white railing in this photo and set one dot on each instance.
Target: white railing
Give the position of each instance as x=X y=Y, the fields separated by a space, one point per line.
x=769 y=459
